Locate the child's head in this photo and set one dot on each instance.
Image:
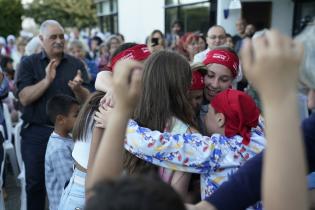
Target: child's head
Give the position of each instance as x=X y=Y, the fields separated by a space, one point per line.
x=166 y=82
x=76 y=49
x=134 y=193
x=231 y=113
x=197 y=86
x=62 y=111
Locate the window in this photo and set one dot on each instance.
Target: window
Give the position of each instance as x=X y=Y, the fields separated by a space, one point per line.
x=303 y=13
x=195 y=15
x=107 y=11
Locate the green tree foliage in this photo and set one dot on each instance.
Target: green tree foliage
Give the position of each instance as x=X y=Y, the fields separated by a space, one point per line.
x=70 y=13
x=10 y=17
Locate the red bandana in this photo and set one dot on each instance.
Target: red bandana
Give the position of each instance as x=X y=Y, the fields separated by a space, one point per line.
x=197 y=82
x=225 y=58
x=240 y=112
x=138 y=52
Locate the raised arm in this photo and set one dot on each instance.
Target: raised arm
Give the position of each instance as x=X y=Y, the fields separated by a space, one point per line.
x=109 y=158
x=192 y=153
x=31 y=93
x=96 y=139
x=104 y=83
x=100 y=118
x=272 y=64
x=81 y=93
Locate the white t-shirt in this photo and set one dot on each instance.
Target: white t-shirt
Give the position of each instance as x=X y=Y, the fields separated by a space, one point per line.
x=81 y=149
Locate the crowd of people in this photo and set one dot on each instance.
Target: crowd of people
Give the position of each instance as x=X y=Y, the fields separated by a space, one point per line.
x=179 y=122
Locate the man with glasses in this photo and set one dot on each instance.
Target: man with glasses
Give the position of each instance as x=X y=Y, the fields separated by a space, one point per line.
x=42 y=76
x=216 y=37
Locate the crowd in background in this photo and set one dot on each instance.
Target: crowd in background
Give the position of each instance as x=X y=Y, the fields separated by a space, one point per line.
x=60 y=83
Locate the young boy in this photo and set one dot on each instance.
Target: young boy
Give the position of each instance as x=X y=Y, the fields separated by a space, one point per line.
x=62 y=111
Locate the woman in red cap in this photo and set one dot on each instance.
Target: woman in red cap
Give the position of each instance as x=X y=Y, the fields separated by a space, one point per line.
x=223 y=68
x=189 y=45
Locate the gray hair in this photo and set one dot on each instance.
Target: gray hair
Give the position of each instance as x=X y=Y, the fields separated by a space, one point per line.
x=46 y=24
x=78 y=44
x=307 y=73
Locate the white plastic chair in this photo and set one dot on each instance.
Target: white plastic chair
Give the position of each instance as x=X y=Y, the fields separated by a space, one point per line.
x=2 y=206
x=7 y=145
x=21 y=177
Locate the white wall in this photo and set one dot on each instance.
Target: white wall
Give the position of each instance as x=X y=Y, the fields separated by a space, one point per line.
x=229 y=23
x=281 y=16
x=138 y=18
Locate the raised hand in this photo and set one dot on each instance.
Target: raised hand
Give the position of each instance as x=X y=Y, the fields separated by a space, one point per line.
x=77 y=81
x=271 y=63
x=127 y=84
x=51 y=70
x=101 y=116
x=108 y=99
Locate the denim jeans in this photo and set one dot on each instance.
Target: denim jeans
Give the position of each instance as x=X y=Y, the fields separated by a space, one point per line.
x=73 y=196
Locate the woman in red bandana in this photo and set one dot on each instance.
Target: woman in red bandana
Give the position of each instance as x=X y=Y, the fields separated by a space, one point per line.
x=223 y=67
x=189 y=46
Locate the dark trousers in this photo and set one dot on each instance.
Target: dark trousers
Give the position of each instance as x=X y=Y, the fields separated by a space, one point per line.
x=34 y=143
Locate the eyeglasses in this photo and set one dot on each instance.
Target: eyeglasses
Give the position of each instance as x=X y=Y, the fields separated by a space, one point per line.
x=221 y=37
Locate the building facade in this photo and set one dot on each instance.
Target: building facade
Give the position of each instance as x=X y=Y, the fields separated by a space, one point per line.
x=136 y=19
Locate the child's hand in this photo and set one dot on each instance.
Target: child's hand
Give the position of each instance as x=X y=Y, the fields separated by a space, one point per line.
x=101 y=116
x=108 y=99
x=272 y=63
x=127 y=84
x=77 y=81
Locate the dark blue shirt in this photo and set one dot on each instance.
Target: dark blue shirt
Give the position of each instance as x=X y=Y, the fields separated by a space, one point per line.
x=32 y=70
x=244 y=187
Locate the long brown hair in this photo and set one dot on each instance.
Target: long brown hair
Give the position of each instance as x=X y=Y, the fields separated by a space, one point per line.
x=81 y=125
x=166 y=80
